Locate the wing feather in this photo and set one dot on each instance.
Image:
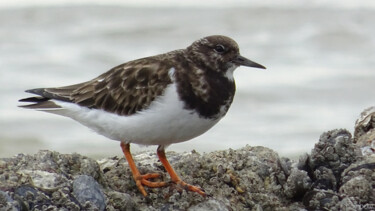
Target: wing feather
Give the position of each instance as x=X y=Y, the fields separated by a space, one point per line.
x=124 y=90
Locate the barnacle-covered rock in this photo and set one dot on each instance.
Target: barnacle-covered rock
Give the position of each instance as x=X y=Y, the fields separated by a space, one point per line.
x=335 y=176
x=364 y=132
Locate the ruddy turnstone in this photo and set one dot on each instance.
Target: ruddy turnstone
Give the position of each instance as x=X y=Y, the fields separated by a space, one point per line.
x=158 y=100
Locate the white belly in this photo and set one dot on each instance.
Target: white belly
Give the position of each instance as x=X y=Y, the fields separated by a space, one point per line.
x=163 y=123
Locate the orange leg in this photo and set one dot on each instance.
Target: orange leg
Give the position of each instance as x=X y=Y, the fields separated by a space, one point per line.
x=174 y=177
x=140 y=180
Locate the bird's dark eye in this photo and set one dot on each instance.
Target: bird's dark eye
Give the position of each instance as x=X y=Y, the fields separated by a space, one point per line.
x=219 y=48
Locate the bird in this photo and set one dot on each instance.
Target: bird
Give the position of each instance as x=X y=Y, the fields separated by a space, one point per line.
x=157 y=100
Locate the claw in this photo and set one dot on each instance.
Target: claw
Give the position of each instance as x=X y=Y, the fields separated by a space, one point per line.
x=174 y=177
x=142 y=180
x=191 y=188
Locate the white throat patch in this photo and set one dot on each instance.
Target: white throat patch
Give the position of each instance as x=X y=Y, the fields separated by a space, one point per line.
x=229 y=73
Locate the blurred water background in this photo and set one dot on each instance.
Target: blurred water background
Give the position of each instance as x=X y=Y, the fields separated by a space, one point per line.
x=319 y=54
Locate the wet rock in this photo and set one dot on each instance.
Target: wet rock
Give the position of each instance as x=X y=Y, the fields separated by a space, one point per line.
x=88 y=192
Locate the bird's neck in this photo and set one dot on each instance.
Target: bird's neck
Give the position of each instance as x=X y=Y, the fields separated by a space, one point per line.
x=208 y=92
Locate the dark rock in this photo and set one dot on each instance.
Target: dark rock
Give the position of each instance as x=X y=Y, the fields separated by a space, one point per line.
x=324 y=179
x=335 y=150
x=88 y=192
x=340 y=174
x=30 y=198
x=297 y=185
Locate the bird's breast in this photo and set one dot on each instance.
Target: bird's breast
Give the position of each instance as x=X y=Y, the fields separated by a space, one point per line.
x=209 y=95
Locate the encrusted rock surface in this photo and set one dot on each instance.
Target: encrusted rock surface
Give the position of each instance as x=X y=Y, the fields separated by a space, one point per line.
x=336 y=175
x=364 y=133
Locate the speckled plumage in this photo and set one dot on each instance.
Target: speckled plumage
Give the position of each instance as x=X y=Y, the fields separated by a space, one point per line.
x=131 y=103
x=129 y=88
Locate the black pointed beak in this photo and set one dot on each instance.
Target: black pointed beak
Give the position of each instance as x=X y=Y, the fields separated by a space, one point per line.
x=242 y=61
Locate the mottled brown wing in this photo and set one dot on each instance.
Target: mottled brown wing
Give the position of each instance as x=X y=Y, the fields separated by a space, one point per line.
x=125 y=89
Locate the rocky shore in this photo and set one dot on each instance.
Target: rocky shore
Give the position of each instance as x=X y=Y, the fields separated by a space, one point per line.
x=338 y=174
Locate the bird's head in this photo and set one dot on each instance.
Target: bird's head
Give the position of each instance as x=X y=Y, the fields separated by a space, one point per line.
x=219 y=53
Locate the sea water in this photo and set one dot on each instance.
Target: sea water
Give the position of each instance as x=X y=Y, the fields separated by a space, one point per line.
x=320 y=61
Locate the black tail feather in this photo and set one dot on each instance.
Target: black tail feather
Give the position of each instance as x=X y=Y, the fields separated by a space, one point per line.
x=39 y=102
x=33 y=99
x=45 y=94
x=38 y=91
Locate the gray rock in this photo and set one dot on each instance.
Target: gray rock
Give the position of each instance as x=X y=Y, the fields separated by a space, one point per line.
x=210 y=204
x=358 y=187
x=7 y=203
x=364 y=123
x=324 y=179
x=335 y=176
x=364 y=132
x=298 y=184
x=335 y=150
x=44 y=180
x=341 y=176
x=120 y=201
x=348 y=203
x=318 y=199
x=88 y=192
x=358 y=182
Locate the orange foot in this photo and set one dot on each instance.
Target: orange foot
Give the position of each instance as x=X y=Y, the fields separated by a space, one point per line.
x=143 y=180
x=191 y=188
x=174 y=177
x=140 y=180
